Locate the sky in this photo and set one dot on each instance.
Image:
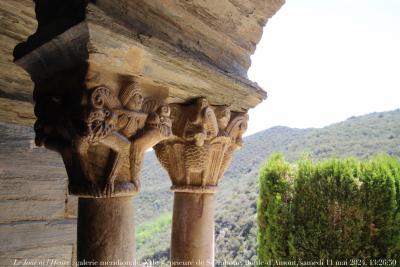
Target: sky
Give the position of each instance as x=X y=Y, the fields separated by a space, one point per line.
x=323 y=61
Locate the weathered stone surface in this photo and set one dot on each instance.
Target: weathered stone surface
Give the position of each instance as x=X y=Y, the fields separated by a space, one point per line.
x=33 y=234
x=30 y=197
x=17 y=21
x=156 y=64
x=71 y=207
x=15 y=111
x=106 y=230
x=191 y=49
x=150 y=62
x=33 y=191
x=184 y=49
x=33 y=181
x=32 y=188
x=198 y=39
x=15 y=210
x=192 y=236
x=223 y=32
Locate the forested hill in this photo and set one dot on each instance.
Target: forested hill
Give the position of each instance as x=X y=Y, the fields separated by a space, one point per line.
x=360 y=136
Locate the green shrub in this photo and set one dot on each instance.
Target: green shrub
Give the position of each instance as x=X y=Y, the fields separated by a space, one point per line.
x=150 y=229
x=335 y=209
x=273 y=209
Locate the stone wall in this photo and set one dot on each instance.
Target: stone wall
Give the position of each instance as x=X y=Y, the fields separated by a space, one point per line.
x=16 y=24
x=37 y=219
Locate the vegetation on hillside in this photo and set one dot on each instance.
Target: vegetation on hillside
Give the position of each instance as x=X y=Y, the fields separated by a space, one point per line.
x=236 y=200
x=336 y=209
x=149 y=229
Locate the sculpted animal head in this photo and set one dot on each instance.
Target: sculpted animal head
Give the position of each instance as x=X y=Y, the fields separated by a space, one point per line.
x=100 y=123
x=236 y=128
x=200 y=123
x=223 y=114
x=101 y=119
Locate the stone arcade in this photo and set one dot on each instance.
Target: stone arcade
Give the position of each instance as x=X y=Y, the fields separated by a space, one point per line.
x=113 y=79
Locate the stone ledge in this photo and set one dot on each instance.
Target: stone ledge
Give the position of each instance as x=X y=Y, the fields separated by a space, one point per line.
x=33 y=234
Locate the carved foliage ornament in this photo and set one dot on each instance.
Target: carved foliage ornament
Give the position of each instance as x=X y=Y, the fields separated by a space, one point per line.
x=201 y=147
x=104 y=151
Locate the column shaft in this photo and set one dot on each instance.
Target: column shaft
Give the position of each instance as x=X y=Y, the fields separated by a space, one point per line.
x=193 y=230
x=106 y=230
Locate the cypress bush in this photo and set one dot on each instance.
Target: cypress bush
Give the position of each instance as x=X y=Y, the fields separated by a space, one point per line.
x=337 y=209
x=273 y=209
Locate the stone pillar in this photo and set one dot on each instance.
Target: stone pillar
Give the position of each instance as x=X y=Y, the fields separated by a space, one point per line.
x=193 y=229
x=106 y=230
x=101 y=127
x=196 y=156
x=102 y=134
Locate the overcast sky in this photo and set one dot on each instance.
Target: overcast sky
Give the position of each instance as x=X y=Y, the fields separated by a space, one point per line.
x=322 y=61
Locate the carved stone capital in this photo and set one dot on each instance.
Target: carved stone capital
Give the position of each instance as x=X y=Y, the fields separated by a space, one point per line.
x=101 y=134
x=201 y=147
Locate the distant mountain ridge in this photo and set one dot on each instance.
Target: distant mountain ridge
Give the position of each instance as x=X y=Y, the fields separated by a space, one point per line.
x=360 y=136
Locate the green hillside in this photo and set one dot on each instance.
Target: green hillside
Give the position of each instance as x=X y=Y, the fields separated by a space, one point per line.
x=236 y=200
